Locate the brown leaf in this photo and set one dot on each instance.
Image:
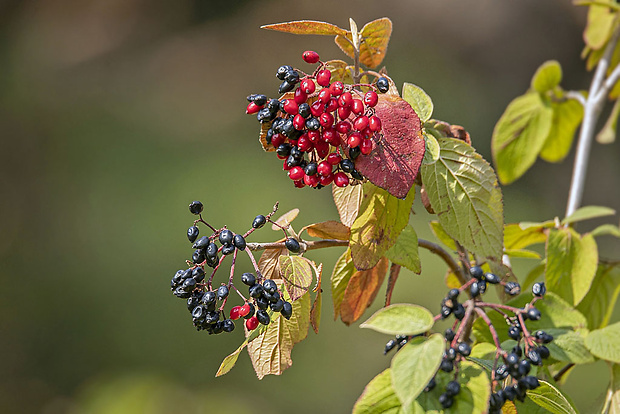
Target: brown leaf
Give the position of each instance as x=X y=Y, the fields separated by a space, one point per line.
x=285 y=219
x=264 y=127
x=311 y=27
x=425 y=201
x=296 y=271
x=347 y=200
x=458 y=132
x=315 y=312
x=329 y=230
x=361 y=291
x=375 y=39
x=397 y=151
x=268 y=262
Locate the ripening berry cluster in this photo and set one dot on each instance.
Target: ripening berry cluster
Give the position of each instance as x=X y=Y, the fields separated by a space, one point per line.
x=205 y=304
x=319 y=127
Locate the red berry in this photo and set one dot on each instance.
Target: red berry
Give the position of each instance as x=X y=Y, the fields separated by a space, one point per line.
x=334 y=158
x=331 y=136
x=324 y=168
x=336 y=88
x=357 y=107
x=252 y=108
x=285 y=166
x=323 y=77
x=300 y=184
x=324 y=95
x=311 y=180
x=341 y=180
x=343 y=127
x=322 y=149
x=310 y=56
x=251 y=323
x=314 y=136
x=332 y=105
x=345 y=99
x=277 y=140
x=374 y=123
x=308 y=86
x=244 y=310
x=234 y=313
x=371 y=98
x=290 y=106
x=317 y=108
x=344 y=112
x=355 y=138
x=326 y=180
x=366 y=146
x=326 y=120
x=300 y=96
x=304 y=144
x=296 y=173
x=360 y=123
x=299 y=122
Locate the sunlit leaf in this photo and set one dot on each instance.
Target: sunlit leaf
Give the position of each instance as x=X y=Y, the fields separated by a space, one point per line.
x=605 y=343
x=405 y=251
x=567 y=116
x=464 y=192
x=381 y=219
x=361 y=291
x=400 y=319
x=268 y=262
x=547 y=76
x=378 y=397
x=587 y=213
x=431 y=154
x=551 y=399
x=296 y=271
x=599 y=25
x=521 y=253
x=442 y=236
x=329 y=230
x=517 y=238
x=347 y=200
x=607 y=134
x=375 y=39
x=419 y=101
x=311 y=27
x=343 y=271
x=519 y=135
x=285 y=219
x=229 y=362
x=568 y=346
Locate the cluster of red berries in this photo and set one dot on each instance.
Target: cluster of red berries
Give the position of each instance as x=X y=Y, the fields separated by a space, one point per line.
x=203 y=299
x=318 y=128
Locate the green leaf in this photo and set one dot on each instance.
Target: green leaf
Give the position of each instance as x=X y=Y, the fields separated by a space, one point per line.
x=567 y=116
x=463 y=191
x=519 y=135
x=381 y=219
x=599 y=304
x=605 y=343
x=599 y=26
x=606 y=230
x=297 y=274
x=431 y=154
x=547 y=76
x=270 y=352
x=419 y=101
x=341 y=276
x=405 y=251
x=414 y=366
x=540 y=224
x=521 y=253
x=473 y=398
x=516 y=237
x=550 y=398
x=378 y=397
x=614 y=390
x=607 y=134
x=587 y=213
x=571 y=264
x=568 y=346
x=306 y=27
x=400 y=319
x=533 y=276
x=442 y=236
x=229 y=362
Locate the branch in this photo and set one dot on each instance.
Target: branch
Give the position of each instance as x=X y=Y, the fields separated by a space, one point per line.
x=563 y=371
x=439 y=251
x=309 y=245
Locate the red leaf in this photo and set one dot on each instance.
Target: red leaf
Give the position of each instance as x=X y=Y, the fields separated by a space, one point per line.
x=397 y=150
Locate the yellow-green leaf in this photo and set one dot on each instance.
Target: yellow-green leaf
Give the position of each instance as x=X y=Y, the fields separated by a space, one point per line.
x=519 y=135
x=587 y=213
x=419 y=101
x=378 y=397
x=229 y=362
x=547 y=76
x=551 y=399
x=400 y=319
x=517 y=238
x=343 y=271
x=521 y=253
x=599 y=26
x=464 y=193
x=442 y=236
x=569 y=346
x=297 y=274
x=606 y=230
x=347 y=200
x=311 y=27
x=431 y=153
x=405 y=251
x=567 y=116
x=605 y=343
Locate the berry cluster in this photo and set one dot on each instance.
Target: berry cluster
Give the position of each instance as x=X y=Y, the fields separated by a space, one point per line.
x=205 y=302
x=319 y=127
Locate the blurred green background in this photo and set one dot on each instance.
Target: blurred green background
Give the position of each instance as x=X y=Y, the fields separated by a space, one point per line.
x=114 y=115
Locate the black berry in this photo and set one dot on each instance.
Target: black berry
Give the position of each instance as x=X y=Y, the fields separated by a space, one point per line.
x=259 y=221
x=228 y=325
x=453 y=294
x=449 y=334
x=539 y=289
x=202 y=243
x=463 y=349
x=453 y=388
x=512 y=288
x=533 y=314
x=222 y=292
x=292 y=245
x=492 y=278
x=226 y=237
x=248 y=279
x=287 y=310
x=239 y=242
x=476 y=272
x=263 y=317
x=192 y=234
x=383 y=85
x=228 y=249
x=270 y=286
x=195 y=207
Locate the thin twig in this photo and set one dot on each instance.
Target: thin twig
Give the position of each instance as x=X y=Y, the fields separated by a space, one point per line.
x=310 y=245
x=558 y=375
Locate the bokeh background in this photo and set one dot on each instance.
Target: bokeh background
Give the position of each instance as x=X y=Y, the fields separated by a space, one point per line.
x=114 y=115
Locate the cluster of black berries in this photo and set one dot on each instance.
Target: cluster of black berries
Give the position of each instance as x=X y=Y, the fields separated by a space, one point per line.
x=399 y=341
x=320 y=127
x=265 y=296
x=446 y=399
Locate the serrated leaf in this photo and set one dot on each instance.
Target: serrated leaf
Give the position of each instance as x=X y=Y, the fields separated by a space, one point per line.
x=270 y=352
x=551 y=399
x=347 y=200
x=431 y=154
x=311 y=27
x=381 y=219
x=568 y=346
x=378 y=397
x=285 y=220
x=607 y=134
x=361 y=291
x=268 y=262
x=397 y=151
x=296 y=271
x=229 y=362
x=587 y=213
x=419 y=101
x=599 y=25
x=464 y=192
x=405 y=251
x=519 y=135
x=343 y=271
x=547 y=76
x=375 y=39
x=442 y=236
x=567 y=116
x=606 y=230
x=605 y=343
x=329 y=230
x=571 y=264
x=315 y=311
x=517 y=238
x=414 y=366
x=400 y=319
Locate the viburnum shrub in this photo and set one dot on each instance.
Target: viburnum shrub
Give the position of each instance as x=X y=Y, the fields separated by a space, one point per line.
x=346 y=124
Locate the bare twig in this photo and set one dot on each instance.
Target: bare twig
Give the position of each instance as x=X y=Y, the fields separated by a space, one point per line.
x=558 y=375
x=310 y=245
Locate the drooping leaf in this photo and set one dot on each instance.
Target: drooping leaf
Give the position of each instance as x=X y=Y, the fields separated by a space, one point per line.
x=268 y=262
x=375 y=39
x=419 y=101
x=442 y=236
x=517 y=238
x=378 y=397
x=381 y=219
x=400 y=319
x=605 y=343
x=285 y=220
x=309 y=27
x=464 y=192
x=229 y=362
x=347 y=200
x=519 y=135
x=607 y=134
x=551 y=399
x=361 y=291
x=296 y=271
x=567 y=116
x=587 y=213
x=606 y=230
x=315 y=311
x=571 y=264
x=547 y=76
x=599 y=26
x=343 y=271
x=405 y=251
x=397 y=151
x=568 y=346
x=329 y=230
x=414 y=366
x=270 y=352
